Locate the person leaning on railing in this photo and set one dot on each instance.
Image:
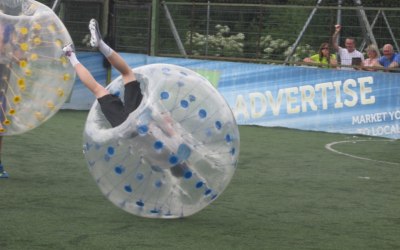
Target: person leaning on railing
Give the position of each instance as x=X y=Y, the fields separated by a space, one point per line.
x=349 y=56
x=372 y=62
x=324 y=58
x=390 y=61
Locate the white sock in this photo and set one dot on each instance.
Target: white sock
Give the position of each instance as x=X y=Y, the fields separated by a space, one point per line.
x=73 y=60
x=105 y=49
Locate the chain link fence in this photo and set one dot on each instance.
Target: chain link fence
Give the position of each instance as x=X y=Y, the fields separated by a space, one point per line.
x=268 y=32
x=252 y=30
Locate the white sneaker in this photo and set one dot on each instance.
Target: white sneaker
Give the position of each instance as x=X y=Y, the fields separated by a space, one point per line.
x=68 y=49
x=3 y=174
x=95 y=36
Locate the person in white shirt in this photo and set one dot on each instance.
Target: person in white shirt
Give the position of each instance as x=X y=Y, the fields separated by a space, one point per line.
x=349 y=56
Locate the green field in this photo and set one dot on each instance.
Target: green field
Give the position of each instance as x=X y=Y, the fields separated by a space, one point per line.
x=289 y=192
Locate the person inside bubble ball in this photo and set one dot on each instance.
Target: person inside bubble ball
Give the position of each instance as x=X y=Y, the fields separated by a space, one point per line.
x=5 y=37
x=114 y=110
x=8 y=53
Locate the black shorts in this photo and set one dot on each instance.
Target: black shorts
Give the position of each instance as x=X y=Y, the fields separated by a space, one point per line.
x=115 y=110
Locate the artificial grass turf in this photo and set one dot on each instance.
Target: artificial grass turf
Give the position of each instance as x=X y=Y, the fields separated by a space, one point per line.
x=289 y=192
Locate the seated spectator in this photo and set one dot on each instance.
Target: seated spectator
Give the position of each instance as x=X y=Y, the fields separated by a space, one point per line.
x=389 y=60
x=372 y=62
x=323 y=58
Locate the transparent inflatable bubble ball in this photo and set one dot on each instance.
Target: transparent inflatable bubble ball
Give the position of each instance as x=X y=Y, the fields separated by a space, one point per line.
x=36 y=79
x=174 y=155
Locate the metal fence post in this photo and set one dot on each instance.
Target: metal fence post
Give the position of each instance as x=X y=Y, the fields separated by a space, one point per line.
x=173 y=29
x=296 y=43
x=155 y=17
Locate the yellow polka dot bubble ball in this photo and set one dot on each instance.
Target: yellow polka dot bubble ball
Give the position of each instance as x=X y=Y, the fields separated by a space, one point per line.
x=36 y=79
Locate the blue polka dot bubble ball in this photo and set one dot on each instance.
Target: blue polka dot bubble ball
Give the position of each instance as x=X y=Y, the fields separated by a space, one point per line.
x=174 y=155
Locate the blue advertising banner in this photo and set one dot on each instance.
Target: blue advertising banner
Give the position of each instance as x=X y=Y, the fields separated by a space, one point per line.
x=353 y=102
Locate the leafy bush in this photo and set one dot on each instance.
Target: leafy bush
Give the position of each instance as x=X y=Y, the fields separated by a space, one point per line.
x=220 y=44
x=301 y=52
x=279 y=49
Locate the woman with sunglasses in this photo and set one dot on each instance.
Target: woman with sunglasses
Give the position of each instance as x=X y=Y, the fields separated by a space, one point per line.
x=323 y=59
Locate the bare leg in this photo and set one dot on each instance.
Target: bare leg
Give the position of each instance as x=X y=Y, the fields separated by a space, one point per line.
x=114 y=109
x=88 y=80
x=86 y=77
x=113 y=57
x=119 y=63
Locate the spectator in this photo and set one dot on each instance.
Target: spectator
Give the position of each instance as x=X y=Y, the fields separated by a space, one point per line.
x=349 y=55
x=324 y=58
x=372 y=62
x=389 y=60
